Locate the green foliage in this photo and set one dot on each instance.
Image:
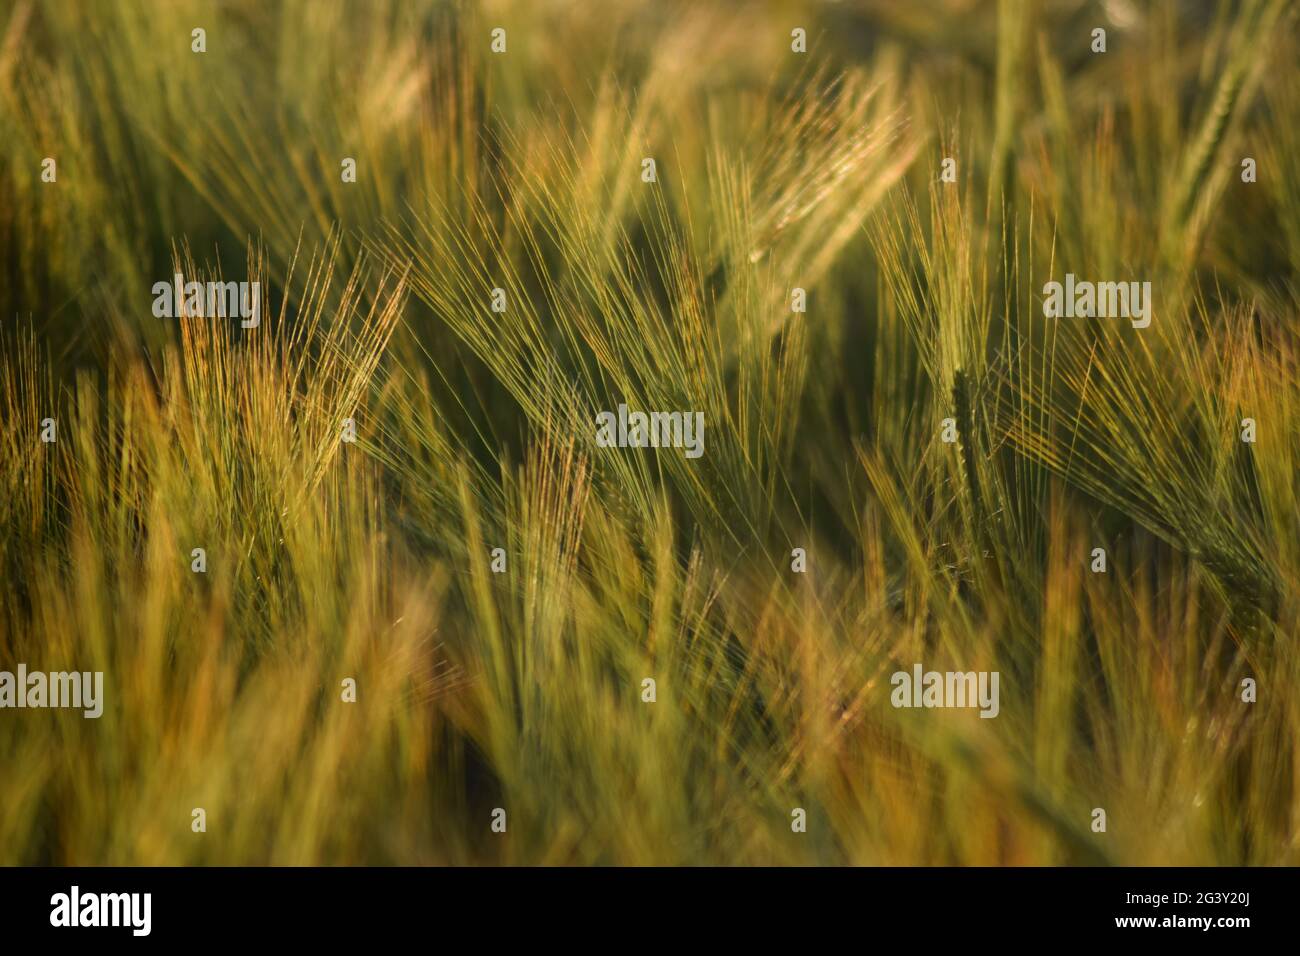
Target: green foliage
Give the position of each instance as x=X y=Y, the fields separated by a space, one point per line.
x=329 y=560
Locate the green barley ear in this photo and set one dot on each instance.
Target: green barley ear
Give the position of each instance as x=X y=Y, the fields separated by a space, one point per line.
x=1013 y=32
x=1199 y=181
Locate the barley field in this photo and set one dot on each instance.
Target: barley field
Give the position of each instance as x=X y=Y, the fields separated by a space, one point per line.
x=369 y=582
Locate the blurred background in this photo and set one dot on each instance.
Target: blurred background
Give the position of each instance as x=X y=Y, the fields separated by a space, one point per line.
x=783 y=161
